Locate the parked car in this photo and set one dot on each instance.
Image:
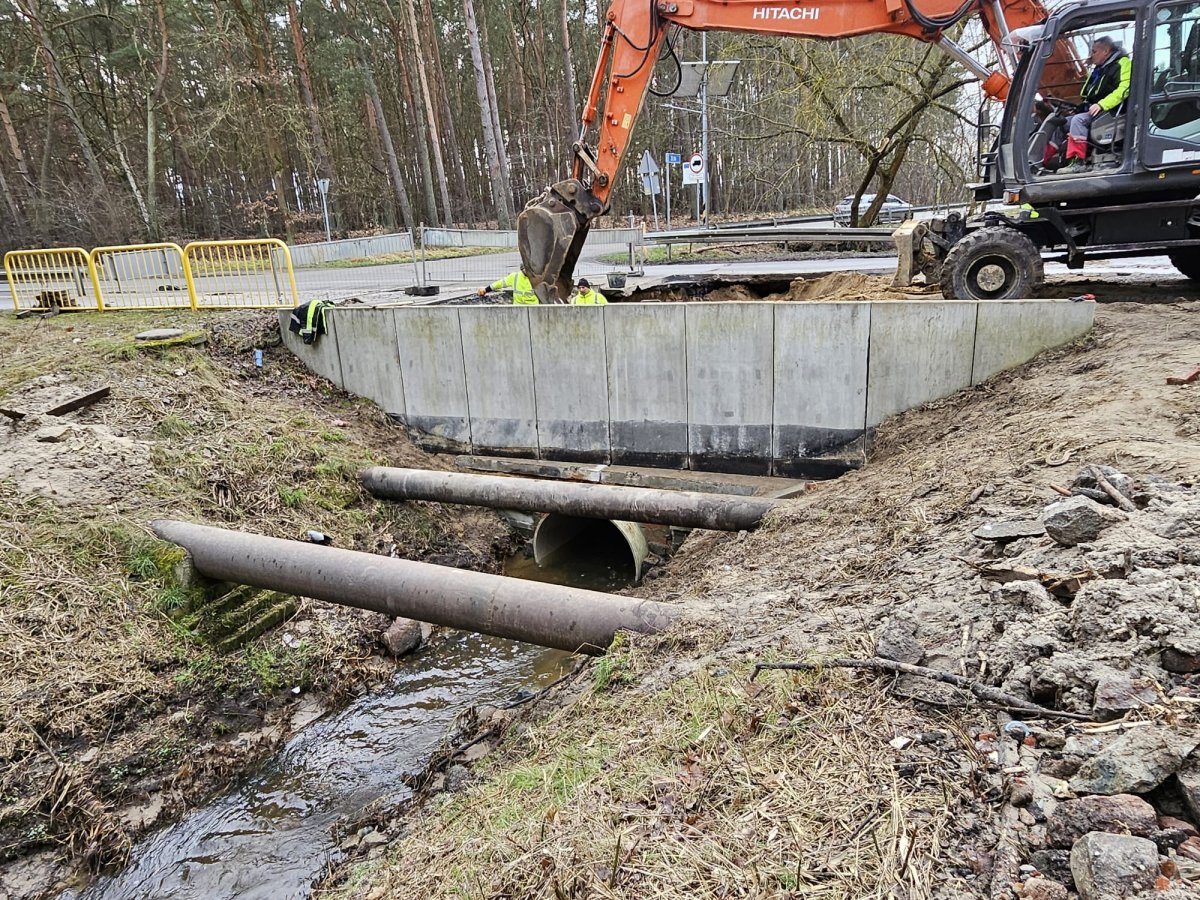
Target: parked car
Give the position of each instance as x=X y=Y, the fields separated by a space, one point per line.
x=893 y=212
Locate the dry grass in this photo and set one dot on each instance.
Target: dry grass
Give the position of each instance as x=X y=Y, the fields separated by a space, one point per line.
x=100 y=684
x=708 y=786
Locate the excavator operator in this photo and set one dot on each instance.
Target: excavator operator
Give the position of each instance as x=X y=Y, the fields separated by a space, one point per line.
x=1105 y=90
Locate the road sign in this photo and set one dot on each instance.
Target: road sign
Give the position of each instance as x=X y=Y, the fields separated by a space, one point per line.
x=651 y=184
x=693 y=170
x=674 y=158
x=648 y=165
x=323 y=186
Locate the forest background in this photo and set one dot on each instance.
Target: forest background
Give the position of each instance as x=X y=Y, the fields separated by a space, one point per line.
x=141 y=120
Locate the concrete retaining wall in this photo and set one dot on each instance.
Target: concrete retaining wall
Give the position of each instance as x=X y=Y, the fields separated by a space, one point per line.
x=759 y=388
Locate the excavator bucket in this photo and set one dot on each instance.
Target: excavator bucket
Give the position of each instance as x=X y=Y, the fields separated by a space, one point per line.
x=550 y=235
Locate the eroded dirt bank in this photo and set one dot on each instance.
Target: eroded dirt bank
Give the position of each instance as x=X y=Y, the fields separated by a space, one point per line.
x=125 y=696
x=670 y=773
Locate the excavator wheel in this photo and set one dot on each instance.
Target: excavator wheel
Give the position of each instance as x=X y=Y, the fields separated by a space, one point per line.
x=992 y=263
x=1187 y=262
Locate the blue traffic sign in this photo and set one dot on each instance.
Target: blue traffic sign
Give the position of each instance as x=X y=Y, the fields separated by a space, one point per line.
x=674 y=158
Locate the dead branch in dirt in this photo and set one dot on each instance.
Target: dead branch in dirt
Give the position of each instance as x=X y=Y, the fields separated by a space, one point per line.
x=982 y=691
x=1123 y=502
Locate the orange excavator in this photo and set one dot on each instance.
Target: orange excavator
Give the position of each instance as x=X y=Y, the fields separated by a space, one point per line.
x=1136 y=194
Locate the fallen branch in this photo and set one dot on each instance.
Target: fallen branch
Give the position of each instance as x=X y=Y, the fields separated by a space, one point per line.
x=1118 y=498
x=982 y=691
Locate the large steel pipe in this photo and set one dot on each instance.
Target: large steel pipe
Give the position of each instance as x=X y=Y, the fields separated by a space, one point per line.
x=687 y=509
x=550 y=615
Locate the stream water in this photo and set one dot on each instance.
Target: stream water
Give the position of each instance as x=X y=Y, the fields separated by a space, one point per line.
x=270 y=837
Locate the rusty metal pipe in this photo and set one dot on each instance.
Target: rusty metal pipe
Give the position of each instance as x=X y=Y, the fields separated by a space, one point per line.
x=550 y=615
x=687 y=509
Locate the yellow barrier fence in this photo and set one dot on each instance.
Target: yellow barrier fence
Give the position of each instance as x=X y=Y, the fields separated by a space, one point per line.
x=242 y=274
x=253 y=274
x=143 y=276
x=46 y=279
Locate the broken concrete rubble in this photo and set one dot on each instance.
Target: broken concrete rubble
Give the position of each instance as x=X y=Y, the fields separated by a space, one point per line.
x=1109 y=866
x=1138 y=761
x=1077 y=520
x=1119 y=814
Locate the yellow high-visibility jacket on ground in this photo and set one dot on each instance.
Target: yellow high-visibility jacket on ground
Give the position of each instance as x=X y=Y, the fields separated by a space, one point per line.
x=590 y=297
x=519 y=284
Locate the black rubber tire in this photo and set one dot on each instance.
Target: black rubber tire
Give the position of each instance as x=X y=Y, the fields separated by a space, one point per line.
x=1187 y=262
x=994 y=252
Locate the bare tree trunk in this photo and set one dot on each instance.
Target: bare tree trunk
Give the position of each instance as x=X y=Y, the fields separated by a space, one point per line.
x=14 y=145
x=501 y=199
x=498 y=130
x=153 y=227
x=308 y=98
x=406 y=85
x=389 y=211
x=255 y=33
x=573 y=111
x=31 y=11
x=389 y=149
x=448 y=123
x=435 y=139
x=10 y=201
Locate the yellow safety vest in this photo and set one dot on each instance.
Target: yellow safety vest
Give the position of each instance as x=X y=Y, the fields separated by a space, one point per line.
x=521 y=287
x=591 y=298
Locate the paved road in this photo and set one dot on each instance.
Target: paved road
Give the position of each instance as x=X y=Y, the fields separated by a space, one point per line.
x=461 y=277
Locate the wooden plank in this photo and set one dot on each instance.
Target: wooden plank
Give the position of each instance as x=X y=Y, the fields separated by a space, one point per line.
x=79 y=402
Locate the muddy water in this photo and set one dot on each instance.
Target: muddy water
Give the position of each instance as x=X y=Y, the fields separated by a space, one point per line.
x=270 y=837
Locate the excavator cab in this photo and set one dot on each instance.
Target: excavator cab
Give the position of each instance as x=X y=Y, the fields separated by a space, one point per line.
x=1137 y=192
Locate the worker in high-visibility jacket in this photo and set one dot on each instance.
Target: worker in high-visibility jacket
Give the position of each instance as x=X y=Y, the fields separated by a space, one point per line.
x=518 y=283
x=586 y=296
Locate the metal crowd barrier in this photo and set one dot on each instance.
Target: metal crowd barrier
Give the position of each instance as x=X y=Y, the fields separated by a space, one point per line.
x=45 y=279
x=142 y=276
x=254 y=274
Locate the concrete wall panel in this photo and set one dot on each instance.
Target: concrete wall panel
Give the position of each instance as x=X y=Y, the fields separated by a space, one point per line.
x=820 y=380
x=499 y=367
x=431 y=365
x=371 y=356
x=730 y=352
x=322 y=357
x=647 y=383
x=570 y=382
x=919 y=351
x=1011 y=332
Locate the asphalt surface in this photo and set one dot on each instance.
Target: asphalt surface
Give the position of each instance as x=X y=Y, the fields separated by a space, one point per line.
x=462 y=277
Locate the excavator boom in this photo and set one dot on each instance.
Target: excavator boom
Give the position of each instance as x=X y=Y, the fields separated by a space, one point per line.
x=552 y=227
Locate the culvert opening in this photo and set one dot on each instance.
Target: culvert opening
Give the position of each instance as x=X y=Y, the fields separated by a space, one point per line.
x=597 y=554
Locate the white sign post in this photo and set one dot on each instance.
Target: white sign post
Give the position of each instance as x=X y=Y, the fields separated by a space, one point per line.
x=673 y=159
x=649 y=171
x=323 y=187
x=694 y=172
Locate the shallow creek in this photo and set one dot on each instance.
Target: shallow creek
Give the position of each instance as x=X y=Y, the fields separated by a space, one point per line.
x=271 y=835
